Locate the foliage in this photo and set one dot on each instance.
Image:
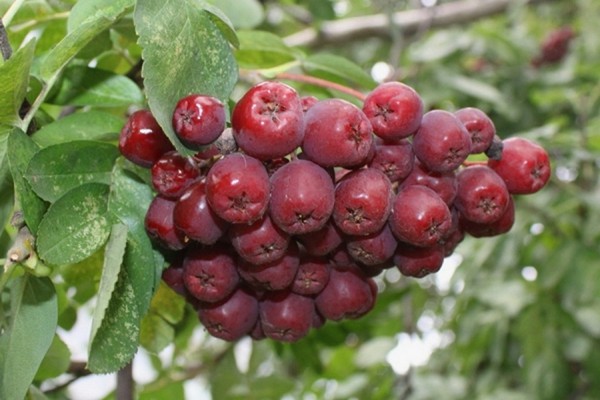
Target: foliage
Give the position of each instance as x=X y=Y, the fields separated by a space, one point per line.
x=514 y=317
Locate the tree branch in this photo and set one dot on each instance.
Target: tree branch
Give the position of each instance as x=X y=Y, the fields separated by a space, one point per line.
x=5 y=48
x=411 y=21
x=125 y=384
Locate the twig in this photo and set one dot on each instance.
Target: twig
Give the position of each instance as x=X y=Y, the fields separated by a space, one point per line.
x=12 y=11
x=5 y=48
x=125 y=384
x=321 y=83
x=347 y=29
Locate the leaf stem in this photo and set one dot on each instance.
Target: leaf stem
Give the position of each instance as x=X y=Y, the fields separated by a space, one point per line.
x=37 y=103
x=311 y=80
x=12 y=11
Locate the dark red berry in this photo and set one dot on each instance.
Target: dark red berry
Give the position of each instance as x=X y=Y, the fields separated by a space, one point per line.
x=418 y=261
x=142 y=141
x=395 y=159
x=394 y=109
x=173 y=173
x=238 y=188
x=373 y=249
x=275 y=275
x=337 y=133
x=312 y=275
x=268 y=121
x=482 y=196
x=498 y=227
x=443 y=183
x=286 y=316
x=160 y=226
x=198 y=120
x=260 y=242
x=480 y=127
x=524 y=167
x=323 y=241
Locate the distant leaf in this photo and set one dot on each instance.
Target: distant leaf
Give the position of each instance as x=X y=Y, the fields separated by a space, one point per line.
x=28 y=335
x=20 y=151
x=6 y=184
x=439 y=45
x=14 y=78
x=321 y=9
x=128 y=202
x=83 y=34
x=55 y=362
x=84 y=276
x=184 y=52
x=85 y=86
x=89 y=125
x=374 y=352
x=340 y=67
x=173 y=390
x=55 y=170
x=262 y=50
x=475 y=88
x=243 y=14
x=75 y=226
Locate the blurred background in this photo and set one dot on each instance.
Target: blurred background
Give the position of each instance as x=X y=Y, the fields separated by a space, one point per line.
x=507 y=318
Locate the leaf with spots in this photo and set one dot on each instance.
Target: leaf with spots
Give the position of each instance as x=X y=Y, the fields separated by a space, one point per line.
x=115 y=323
x=75 y=226
x=128 y=202
x=56 y=169
x=20 y=150
x=184 y=52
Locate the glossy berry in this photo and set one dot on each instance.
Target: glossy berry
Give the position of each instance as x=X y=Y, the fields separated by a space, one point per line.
x=418 y=262
x=419 y=216
x=524 y=167
x=443 y=183
x=275 y=275
x=173 y=173
x=337 y=133
x=302 y=197
x=480 y=127
x=238 y=188
x=362 y=202
x=260 y=242
x=482 y=195
x=395 y=158
x=231 y=318
x=442 y=142
x=323 y=241
x=374 y=249
x=210 y=273
x=142 y=141
x=498 y=227
x=194 y=217
x=394 y=109
x=160 y=226
x=268 y=121
x=286 y=316
x=198 y=120
x=312 y=275
x=348 y=294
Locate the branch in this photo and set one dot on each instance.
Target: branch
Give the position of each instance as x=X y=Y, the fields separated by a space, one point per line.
x=5 y=48
x=411 y=21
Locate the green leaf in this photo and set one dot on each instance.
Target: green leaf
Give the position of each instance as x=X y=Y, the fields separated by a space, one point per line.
x=6 y=183
x=339 y=67
x=321 y=9
x=85 y=86
x=262 y=50
x=84 y=10
x=221 y=21
x=184 y=52
x=75 y=226
x=80 y=37
x=14 y=78
x=55 y=362
x=173 y=390
x=113 y=259
x=90 y=125
x=167 y=308
x=29 y=334
x=243 y=14
x=55 y=170
x=116 y=321
x=128 y=202
x=84 y=277
x=20 y=151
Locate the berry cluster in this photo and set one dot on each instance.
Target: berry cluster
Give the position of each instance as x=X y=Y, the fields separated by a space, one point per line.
x=281 y=221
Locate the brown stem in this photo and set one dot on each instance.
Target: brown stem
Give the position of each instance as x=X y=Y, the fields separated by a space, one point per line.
x=311 y=80
x=125 y=385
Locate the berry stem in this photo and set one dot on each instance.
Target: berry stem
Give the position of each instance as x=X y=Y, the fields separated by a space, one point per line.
x=320 y=82
x=473 y=163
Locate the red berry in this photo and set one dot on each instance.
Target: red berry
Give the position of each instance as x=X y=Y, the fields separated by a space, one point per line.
x=442 y=142
x=443 y=183
x=302 y=197
x=260 y=242
x=394 y=109
x=238 y=188
x=362 y=202
x=374 y=249
x=418 y=261
x=198 y=120
x=337 y=133
x=312 y=275
x=286 y=316
x=275 y=275
x=524 y=167
x=502 y=225
x=194 y=217
x=482 y=195
x=480 y=127
x=173 y=173
x=160 y=226
x=419 y=216
x=268 y=120
x=142 y=141
x=323 y=241
x=348 y=294
x=394 y=158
